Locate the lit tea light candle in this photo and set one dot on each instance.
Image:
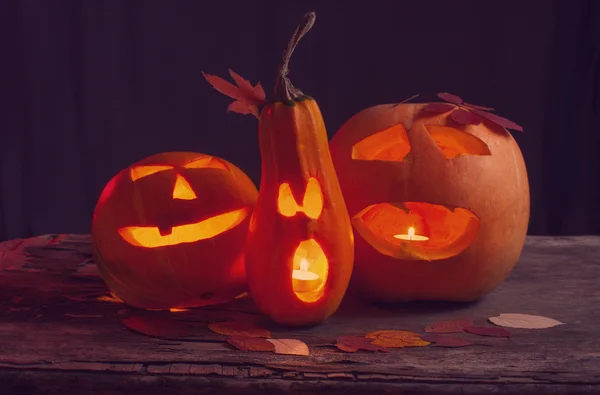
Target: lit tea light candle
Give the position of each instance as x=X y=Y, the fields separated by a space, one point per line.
x=411 y=236
x=304 y=280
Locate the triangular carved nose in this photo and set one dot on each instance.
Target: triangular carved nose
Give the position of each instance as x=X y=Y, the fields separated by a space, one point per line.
x=182 y=189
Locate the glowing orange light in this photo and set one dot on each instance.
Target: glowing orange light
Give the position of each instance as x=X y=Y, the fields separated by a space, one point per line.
x=143 y=171
x=310 y=271
x=411 y=236
x=207 y=162
x=183 y=190
x=312 y=203
x=150 y=237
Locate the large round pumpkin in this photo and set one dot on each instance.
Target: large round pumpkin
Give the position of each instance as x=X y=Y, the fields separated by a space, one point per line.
x=169 y=231
x=439 y=201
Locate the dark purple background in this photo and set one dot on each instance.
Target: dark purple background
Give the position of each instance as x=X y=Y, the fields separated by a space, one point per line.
x=89 y=87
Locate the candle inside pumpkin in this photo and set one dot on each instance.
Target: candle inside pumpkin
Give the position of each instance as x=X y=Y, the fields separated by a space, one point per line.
x=304 y=280
x=411 y=236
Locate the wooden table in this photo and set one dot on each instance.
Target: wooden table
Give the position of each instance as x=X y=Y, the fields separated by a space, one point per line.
x=57 y=338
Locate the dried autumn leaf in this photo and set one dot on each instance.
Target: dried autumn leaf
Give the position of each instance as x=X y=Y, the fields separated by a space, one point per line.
x=455 y=326
x=289 y=346
x=438 y=107
x=447 y=341
x=475 y=106
x=112 y=298
x=239 y=328
x=465 y=117
x=355 y=343
x=245 y=343
x=396 y=339
x=498 y=120
x=487 y=331
x=247 y=98
x=158 y=326
x=525 y=321
x=449 y=97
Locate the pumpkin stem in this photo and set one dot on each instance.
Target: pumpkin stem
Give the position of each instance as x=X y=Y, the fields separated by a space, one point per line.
x=284 y=90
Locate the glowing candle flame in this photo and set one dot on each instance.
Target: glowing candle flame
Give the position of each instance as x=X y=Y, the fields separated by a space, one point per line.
x=411 y=236
x=304 y=265
x=411 y=233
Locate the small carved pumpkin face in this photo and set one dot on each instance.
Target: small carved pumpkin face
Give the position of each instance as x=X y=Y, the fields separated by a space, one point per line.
x=174 y=225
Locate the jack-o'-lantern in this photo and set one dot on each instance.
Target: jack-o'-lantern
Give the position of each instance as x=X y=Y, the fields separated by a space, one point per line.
x=299 y=250
x=439 y=200
x=169 y=231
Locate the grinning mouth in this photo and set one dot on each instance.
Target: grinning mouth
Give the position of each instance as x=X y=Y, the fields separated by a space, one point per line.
x=151 y=237
x=417 y=230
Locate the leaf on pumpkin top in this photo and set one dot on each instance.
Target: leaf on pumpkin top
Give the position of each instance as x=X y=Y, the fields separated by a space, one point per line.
x=158 y=326
x=465 y=117
x=396 y=339
x=498 y=120
x=247 y=98
x=525 y=321
x=245 y=343
x=289 y=346
x=439 y=107
x=475 y=106
x=449 y=97
x=447 y=341
x=239 y=328
x=487 y=331
x=355 y=343
x=456 y=326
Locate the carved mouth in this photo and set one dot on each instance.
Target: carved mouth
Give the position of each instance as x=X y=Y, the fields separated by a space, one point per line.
x=438 y=232
x=152 y=237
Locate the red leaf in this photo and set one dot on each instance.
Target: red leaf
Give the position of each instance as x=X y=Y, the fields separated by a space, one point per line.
x=476 y=107
x=239 y=328
x=447 y=341
x=355 y=343
x=465 y=117
x=245 y=343
x=248 y=98
x=449 y=97
x=158 y=326
x=487 y=331
x=438 y=107
x=456 y=326
x=498 y=120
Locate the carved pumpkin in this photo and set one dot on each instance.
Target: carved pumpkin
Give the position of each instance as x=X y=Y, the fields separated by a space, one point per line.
x=169 y=231
x=299 y=250
x=439 y=200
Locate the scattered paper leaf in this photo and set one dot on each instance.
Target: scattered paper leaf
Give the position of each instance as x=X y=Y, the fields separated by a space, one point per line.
x=455 y=326
x=158 y=326
x=447 y=341
x=525 y=321
x=355 y=343
x=487 y=331
x=289 y=346
x=239 y=328
x=439 y=107
x=498 y=120
x=396 y=339
x=449 y=97
x=176 y=310
x=247 y=98
x=245 y=343
x=465 y=117
x=109 y=298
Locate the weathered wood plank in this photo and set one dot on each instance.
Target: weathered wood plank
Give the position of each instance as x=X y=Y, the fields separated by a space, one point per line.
x=51 y=322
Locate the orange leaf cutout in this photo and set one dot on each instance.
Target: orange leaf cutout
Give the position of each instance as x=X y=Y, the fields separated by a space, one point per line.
x=248 y=98
x=396 y=339
x=158 y=327
x=456 y=326
x=355 y=343
x=245 y=343
x=289 y=346
x=239 y=328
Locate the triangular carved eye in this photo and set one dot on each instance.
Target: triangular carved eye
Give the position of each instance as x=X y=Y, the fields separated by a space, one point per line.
x=142 y=171
x=312 y=203
x=207 y=162
x=455 y=142
x=390 y=145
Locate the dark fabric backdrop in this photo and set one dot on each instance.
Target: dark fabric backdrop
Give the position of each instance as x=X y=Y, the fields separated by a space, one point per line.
x=89 y=87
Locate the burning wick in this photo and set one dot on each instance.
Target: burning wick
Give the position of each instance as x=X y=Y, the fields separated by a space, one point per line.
x=304 y=280
x=411 y=236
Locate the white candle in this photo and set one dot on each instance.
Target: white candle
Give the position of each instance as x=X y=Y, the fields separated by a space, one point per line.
x=304 y=280
x=411 y=236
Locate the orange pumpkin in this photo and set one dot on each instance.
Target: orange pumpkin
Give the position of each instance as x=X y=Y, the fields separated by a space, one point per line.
x=169 y=231
x=299 y=250
x=439 y=200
